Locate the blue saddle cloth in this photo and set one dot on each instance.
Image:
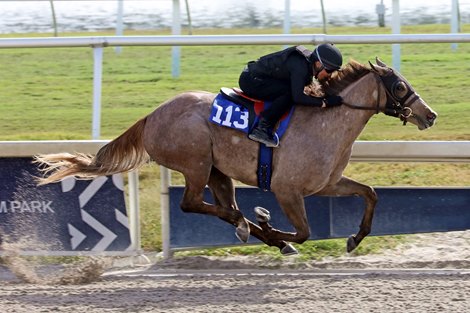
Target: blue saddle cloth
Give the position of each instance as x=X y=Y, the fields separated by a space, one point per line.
x=243 y=116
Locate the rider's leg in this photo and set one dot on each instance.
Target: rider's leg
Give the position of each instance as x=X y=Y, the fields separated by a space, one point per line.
x=263 y=132
x=271 y=89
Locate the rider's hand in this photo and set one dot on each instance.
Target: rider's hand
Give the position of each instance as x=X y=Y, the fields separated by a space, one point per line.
x=333 y=101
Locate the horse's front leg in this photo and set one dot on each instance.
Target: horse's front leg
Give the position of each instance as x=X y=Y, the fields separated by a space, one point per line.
x=348 y=187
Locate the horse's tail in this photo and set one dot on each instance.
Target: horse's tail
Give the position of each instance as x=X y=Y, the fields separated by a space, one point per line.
x=123 y=154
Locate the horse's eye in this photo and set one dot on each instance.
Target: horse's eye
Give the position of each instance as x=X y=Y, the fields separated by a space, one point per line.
x=400 y=89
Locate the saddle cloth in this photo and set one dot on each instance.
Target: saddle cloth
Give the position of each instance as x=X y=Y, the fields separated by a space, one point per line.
x=231 y=108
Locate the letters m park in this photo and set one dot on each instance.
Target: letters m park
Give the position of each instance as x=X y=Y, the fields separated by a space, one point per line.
x=26 y=207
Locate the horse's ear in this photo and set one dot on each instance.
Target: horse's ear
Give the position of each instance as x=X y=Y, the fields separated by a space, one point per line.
x=379 y=62
x=373 y=67
x=382 y=71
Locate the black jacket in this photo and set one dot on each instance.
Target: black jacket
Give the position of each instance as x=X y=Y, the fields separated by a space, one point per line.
x=291 y=65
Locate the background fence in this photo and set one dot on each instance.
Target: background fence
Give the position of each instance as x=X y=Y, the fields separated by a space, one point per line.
x=98 y=43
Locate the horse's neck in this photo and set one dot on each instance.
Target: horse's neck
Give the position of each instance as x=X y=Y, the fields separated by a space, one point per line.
x=343 y=125
x=362 y=93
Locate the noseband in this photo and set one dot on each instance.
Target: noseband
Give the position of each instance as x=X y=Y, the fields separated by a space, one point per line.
x=397 y=105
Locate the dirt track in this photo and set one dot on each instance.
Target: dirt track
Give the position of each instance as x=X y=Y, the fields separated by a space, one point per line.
x=298 y=292
x=197 y=284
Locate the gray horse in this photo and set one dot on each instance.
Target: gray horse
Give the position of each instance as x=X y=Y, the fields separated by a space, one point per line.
x=314 y=152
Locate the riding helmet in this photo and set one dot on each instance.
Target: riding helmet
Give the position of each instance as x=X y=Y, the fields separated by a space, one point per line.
x=329 y=55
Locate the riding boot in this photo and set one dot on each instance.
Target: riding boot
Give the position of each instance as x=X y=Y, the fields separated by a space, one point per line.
x=262 y=133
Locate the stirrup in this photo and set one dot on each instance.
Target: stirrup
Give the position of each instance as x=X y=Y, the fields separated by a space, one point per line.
x=277 y=140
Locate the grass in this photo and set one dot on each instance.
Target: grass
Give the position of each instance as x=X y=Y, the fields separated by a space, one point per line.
x=310 y=250
x=46 y=94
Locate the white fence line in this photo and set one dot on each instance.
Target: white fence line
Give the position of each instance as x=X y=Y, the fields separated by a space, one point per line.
x=411 y=151
x=10 y=149
x=204 y=40
x=363 y=151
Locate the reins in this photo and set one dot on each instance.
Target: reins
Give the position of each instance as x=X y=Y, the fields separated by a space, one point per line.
x=362 y=107
x=394 y=106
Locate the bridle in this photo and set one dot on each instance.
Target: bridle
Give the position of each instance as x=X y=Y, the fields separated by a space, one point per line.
x=399 y=93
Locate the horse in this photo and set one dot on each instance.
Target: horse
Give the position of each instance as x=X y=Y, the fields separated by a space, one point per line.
x=312 y=156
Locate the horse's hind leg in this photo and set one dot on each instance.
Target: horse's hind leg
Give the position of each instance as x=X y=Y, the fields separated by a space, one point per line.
x=223 y=192
x=193 y=203
x=349 y=187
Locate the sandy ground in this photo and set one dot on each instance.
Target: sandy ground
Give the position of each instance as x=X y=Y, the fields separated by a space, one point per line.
x=431 y=274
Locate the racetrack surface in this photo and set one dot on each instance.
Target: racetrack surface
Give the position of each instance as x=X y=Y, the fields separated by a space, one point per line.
x=244 y=291
x=429 y=275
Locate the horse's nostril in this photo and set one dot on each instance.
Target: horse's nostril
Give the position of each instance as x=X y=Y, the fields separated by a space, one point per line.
x=431 y=117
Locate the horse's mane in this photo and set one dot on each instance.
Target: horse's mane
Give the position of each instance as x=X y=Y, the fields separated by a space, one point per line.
x=339 y=80
x=350 y=73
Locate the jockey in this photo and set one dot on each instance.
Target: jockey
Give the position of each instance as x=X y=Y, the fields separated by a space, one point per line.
x=281 y=76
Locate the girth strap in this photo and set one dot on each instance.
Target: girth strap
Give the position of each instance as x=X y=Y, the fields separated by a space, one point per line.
x=265 y=160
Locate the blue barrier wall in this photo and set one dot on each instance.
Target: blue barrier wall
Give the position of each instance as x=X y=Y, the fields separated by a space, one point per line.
x=71 y=215
x=398 y=211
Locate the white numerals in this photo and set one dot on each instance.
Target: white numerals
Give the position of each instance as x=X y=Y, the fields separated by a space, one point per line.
x=243 y=117
x=229 y=117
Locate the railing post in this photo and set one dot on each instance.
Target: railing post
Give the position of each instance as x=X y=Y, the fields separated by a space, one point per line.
x=134 y=214
x=97 y=79
x=286 y=18
x=455 y=21
x=165 y=213
x=176 y=30
x=119 y=23
x=396 y=51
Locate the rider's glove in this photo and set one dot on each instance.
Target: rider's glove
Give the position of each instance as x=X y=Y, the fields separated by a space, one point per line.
x=333 y=101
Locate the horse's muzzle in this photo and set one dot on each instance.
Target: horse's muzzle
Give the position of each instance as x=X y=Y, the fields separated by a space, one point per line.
x=431 y=118
x=423 y=122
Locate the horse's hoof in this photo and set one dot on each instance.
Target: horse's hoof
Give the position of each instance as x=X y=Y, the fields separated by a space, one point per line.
x=351 y=245
x=243 y=233
x=262 y=215
x=289 y=250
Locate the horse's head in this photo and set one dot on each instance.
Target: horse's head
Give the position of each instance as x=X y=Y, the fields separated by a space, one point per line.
x=402 y=99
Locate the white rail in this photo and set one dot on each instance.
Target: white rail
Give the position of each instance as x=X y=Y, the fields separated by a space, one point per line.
x=363 y=151
x=10 y=149
x=411 y=151
x=204 y=40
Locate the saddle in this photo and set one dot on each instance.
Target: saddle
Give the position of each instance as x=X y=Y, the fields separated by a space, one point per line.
x=254 y=106
x=237 y=96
